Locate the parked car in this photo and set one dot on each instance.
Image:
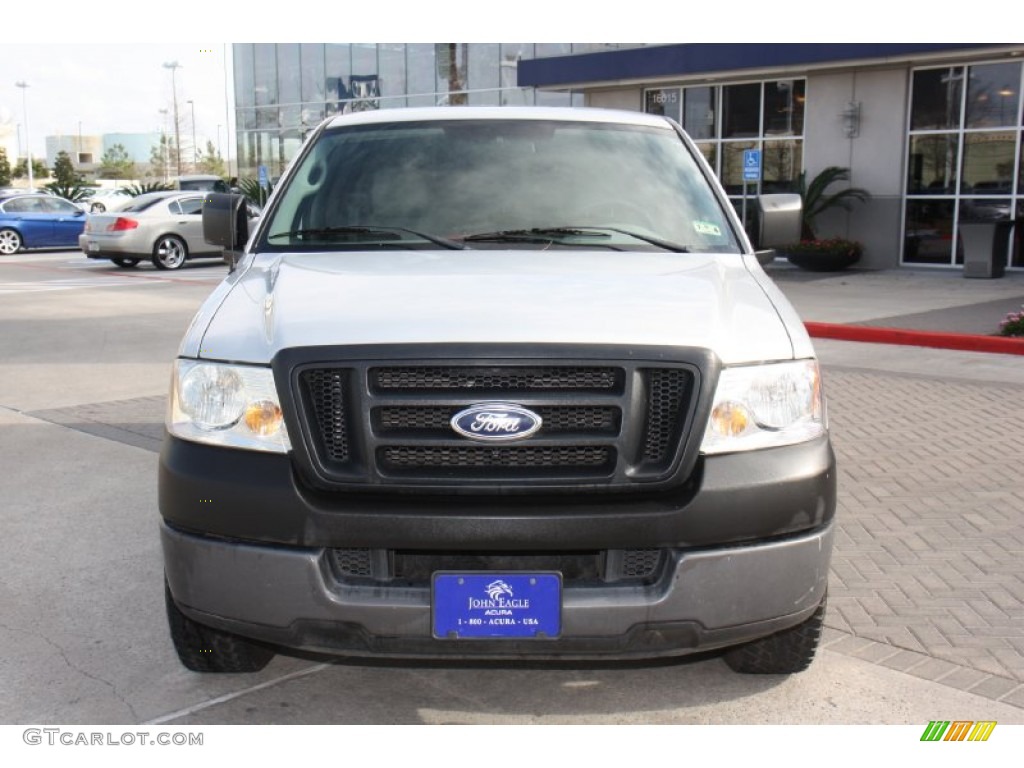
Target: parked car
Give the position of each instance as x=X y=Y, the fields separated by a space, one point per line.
x=164 y=227
x=101 y=200
x=38 y=221
x=497 y=384
x=201 y=183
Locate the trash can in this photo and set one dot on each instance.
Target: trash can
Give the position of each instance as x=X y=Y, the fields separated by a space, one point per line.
x=985 y=247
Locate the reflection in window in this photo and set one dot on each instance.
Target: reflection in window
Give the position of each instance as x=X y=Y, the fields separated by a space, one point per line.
x=421 y=74
x=313 y=82
x=741 y=110
x=781 y=163
x=664 y=101
x=392 y=74
x=338 y=65
x=483 y=74
x=929 y=231
x=511 y=55
x=992 y=94
x=699 y=113
x=784 y=108
x=988 y=163
x=936 y=100
x=451 y=71
x=732 y=165
x=289 y=86
x=933 y=164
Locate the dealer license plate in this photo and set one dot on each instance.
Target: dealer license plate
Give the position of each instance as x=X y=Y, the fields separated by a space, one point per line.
x=497 y=605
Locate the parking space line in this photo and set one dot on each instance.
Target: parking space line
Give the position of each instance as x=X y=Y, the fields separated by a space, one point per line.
x=236 y=694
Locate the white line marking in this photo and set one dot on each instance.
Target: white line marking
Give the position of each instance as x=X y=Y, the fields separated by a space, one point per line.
x=229 y=696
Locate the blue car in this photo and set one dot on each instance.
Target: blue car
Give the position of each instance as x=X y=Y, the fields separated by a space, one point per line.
x=38 y=221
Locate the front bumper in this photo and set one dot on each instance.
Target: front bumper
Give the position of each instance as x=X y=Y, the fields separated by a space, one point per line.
x=704 y=599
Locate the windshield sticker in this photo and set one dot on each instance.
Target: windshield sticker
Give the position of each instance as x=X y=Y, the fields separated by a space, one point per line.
x=707 y=228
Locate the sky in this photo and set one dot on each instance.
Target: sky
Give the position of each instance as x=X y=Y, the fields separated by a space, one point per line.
x=117 y=82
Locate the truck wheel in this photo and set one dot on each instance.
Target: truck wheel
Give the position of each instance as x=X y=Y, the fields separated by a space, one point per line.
x=204 y=649
x=783 y=653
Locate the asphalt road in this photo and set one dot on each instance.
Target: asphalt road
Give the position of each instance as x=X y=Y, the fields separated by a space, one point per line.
x=85 y=352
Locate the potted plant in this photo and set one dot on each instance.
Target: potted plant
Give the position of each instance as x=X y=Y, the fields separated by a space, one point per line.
x=825 y=255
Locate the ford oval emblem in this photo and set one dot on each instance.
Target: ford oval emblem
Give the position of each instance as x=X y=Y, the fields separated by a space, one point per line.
x=493 y=422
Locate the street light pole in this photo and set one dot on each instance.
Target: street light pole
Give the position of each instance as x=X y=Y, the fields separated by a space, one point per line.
x=174 y=66
x=163 y=141
x=28 y=146
x=195 y=146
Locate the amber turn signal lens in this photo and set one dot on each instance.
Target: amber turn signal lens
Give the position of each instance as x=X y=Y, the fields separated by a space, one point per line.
x=730 y=419
x=263 y=417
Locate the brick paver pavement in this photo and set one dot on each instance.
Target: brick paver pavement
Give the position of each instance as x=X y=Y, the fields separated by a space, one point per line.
x=929 y=555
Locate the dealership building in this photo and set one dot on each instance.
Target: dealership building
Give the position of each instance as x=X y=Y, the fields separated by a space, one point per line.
x=932 y=131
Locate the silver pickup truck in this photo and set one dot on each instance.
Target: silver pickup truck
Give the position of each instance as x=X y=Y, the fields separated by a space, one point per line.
x=496 y=384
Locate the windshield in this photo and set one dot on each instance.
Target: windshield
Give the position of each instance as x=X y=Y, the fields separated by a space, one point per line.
x=513 y=182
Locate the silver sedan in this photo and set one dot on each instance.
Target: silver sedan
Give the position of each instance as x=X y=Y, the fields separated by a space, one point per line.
x=165 y=227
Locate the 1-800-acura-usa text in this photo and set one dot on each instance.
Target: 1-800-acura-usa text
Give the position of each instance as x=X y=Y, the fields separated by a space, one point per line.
x=496 y=383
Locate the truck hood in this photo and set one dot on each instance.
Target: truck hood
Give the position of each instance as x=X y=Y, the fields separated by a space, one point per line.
x=491 y=296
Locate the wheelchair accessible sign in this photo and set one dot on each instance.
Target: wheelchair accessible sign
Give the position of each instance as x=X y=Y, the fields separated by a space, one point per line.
x=751 y=164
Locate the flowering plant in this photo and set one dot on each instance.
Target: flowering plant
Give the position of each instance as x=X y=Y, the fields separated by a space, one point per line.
x=830 y=247
x=1012 y=324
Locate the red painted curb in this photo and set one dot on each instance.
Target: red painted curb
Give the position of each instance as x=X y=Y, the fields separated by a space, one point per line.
x=1004 y=345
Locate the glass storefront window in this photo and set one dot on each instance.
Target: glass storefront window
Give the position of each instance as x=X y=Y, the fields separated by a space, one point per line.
x=421 y=74
x=699 y=113
x=289 y=86
x=988 y=163
x=313 y=80
x=451 y=72
x=484 y=77
x=932 y=169
x=936 y=99
x=741 y=111
x=784 y=108
x=732 y=166
x=338 y=66
x=928 y=233
x=781 y=163
x=664 y=101
x=392 y=74
x=992 y=95
x=964 y=157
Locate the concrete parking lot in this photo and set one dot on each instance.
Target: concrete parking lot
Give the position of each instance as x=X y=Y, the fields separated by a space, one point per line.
x=926 y=615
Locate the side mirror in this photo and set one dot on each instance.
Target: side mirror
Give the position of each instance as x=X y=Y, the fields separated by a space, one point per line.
x=781 y=220
x=225 y=223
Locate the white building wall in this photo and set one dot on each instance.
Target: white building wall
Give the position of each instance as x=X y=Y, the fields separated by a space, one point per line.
x=619 y=98
x=875 y=156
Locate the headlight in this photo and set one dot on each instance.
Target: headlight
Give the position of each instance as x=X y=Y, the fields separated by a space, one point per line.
x=763 y=406
x=230 y=405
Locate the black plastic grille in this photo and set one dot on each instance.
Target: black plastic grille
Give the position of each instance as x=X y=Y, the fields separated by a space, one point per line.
x=353 y=562
x=559 y=419
x=496 y=378
x=640 y=563
x=439 y=457
x=326 y=395
x=614 y=422
x=666 y=404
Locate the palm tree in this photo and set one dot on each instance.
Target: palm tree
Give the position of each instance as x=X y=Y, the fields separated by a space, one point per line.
x=816 y=201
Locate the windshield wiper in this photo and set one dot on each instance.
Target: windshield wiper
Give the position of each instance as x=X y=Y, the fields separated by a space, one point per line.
x=544 y=234
x=361 y=230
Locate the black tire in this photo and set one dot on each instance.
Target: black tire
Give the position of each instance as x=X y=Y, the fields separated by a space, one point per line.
x=169 y=252
x=204 y=649
x=11 y=242
x=784 y=653
x=126 y=263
